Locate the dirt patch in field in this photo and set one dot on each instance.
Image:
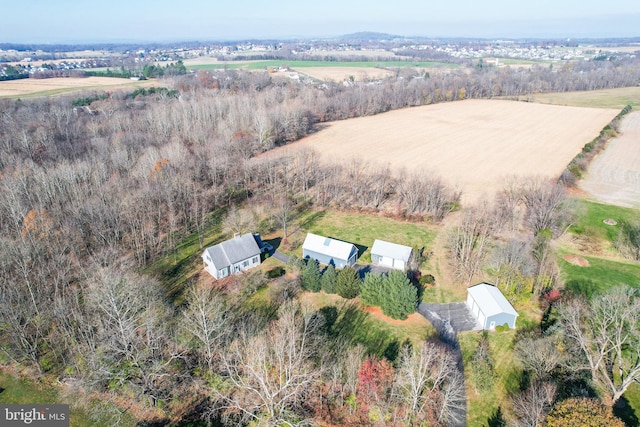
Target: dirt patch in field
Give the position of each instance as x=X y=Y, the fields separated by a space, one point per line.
x=473 y=144
x=614 y=175
x=32 y=86
x=377 y=312
x=338 y=74
x=576 y=260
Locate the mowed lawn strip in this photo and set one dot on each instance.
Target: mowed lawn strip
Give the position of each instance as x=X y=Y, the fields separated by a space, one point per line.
x=604 y=98
x=484 y=405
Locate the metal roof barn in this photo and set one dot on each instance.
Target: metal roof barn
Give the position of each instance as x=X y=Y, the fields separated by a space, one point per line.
x=390 y=254
x=490 y=307
x=327 y=251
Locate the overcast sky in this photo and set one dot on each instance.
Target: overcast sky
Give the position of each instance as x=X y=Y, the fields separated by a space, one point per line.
x=59 y=21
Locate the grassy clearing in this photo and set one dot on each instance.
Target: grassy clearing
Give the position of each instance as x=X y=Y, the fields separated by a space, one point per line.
x=362 y=230
x=488 y=406
x=260 y=65
x=24 y=391
x=600 y=275
x=439 y=295
x=590 y=217
x=379 y=335
x=605 y=98
x=176 y=268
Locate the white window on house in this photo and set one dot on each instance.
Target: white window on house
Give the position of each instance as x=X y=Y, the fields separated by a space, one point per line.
x=245 y=263
x=255 y=260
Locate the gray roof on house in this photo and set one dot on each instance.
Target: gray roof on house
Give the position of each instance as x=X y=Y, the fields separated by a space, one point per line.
x=233 y=250
x=490 y=300
x=391 y=250
x=328 y=246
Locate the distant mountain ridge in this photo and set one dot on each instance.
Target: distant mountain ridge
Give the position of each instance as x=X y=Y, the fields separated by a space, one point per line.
x=369 y=36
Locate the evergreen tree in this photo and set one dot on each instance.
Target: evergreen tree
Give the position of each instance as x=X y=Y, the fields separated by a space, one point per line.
x=348 y=283
x=328 y=281
x=372 y=290
x=311 y=276
x=399 y=297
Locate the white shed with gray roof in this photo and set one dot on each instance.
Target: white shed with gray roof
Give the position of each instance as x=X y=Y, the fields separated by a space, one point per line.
x=232 y=256
x=490 y=307
x=327 y=251
x=390 y=254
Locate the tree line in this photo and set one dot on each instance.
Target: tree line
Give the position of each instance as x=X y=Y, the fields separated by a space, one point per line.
x=88 y=200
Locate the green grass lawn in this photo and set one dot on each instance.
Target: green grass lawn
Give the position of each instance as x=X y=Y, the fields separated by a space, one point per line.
x=600 y=275
x=24 y=391
x=606 y=98
x=258 y=65
x=589 y=219
x=362 y=230
x=487 y=406
x=348 y=322
x=175 y=268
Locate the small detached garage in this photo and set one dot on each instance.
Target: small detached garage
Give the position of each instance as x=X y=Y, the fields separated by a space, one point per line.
x=328 y=251
x=390 y=255
x=490 y=307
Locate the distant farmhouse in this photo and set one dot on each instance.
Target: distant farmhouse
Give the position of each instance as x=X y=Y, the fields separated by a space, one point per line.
x=390 y=254
x=490 y=307
x=327 y=251
x=232 y=256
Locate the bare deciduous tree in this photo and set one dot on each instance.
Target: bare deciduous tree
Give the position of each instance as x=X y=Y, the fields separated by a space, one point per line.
x=605 y=335
x=543 y=202
x=239 y=221
x=204 y=319
x=468 y=241
x=271 y=372
x=532 y=406
x=512 y=264
x=540 y=356
x=429 y=383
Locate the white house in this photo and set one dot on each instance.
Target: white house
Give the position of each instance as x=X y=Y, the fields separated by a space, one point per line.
x=327 y=251
x=232 y=256
x=390 y=254
x=490 y=307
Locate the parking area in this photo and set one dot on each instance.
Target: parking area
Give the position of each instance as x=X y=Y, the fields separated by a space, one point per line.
x=455 y=314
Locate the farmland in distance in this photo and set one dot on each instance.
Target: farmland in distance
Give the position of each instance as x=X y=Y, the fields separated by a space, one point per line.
x=614 y=175
x=25 y=88
x=472 y=144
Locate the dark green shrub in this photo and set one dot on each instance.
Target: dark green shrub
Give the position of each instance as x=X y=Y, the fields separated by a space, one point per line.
x=276 y=272
x=427 y=279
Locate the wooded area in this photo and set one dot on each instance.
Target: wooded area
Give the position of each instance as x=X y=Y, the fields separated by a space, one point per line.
x=89 y=199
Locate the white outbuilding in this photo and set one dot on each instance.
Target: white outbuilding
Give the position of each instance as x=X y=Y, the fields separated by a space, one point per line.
x=328 y=251
x=390 y=254
x=490 y=307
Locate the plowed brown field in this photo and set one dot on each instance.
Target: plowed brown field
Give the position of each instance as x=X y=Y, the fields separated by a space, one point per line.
x=614 y=175
x=472 y=144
